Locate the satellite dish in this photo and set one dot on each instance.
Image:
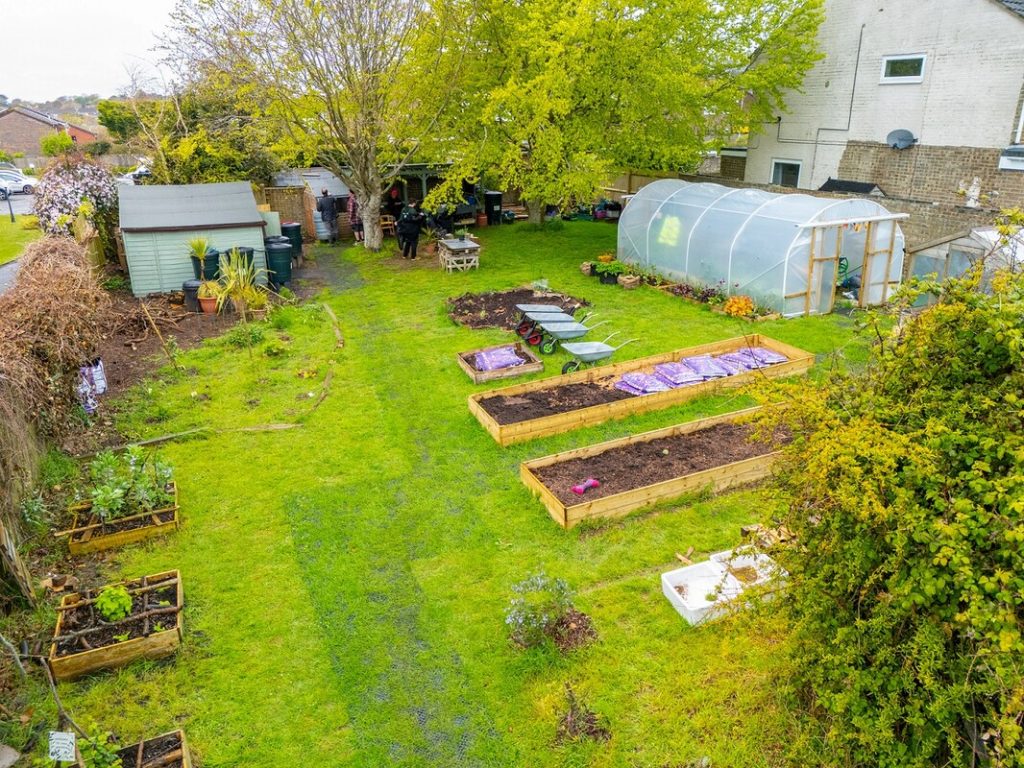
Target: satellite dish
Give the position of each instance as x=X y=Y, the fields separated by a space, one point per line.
x=900 y=139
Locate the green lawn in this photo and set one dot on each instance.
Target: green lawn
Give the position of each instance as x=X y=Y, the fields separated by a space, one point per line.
x=346 y=581
x=15 y=236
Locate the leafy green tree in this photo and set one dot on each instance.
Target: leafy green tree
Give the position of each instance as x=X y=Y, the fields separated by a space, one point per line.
x=558 y=95
x=352 y=82
x=120 y=119
x=905 y=488
x=55 y=144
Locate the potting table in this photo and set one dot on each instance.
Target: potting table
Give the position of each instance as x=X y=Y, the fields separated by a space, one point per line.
x=458 y=255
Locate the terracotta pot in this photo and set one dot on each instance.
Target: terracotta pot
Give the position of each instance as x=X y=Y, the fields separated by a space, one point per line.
x=481 y=219
x=209 y=306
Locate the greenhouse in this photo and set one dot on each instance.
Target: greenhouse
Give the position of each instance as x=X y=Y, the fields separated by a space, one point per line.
x=789 y=253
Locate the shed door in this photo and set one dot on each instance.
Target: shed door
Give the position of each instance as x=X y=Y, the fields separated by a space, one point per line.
x=826 y=248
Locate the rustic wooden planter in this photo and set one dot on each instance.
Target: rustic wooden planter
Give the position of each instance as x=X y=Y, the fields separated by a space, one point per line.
x=157 y=645
x=629 y=282
x=533 y=365
x=798 y=363
x=131 y=757
x=617 y=505
x=87 y=537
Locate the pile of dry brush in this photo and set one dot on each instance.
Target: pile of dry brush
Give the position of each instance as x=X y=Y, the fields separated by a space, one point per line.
x=50 y=324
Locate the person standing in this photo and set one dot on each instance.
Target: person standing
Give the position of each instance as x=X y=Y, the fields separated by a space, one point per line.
x=410 y=223
x=328 y=208
x=354 y=217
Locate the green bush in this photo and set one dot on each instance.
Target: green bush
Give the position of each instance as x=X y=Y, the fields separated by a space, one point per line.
x=539 y=603
x=56 y=144
x=114 y=603
x=905 y=488
x=127 y=484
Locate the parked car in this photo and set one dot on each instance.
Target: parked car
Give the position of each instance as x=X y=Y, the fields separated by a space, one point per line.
x=5 y=190
x=135 y=176
x=19 y=182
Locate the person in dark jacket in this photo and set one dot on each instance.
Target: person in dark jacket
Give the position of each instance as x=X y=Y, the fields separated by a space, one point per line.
x=328 y=208
x=410 y=223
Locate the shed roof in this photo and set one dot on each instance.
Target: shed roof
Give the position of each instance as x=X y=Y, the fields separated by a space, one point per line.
x=847 y=185
x=170 y=207
x=1017 y=6
x=316 y=178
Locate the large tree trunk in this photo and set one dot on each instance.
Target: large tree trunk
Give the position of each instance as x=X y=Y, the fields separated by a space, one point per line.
x=535 y=211
x=370 y=206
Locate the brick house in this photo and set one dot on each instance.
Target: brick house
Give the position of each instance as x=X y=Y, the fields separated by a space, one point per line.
x=947 y=73
x=22 y=128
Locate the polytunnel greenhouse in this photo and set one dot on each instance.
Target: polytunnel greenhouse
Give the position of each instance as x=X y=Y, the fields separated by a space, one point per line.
x=789 y=253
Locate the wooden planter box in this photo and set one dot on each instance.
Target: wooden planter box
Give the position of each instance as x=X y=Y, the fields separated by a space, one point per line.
x=86 y=538
x=533 y=365
x=507 y=434
x=155 y=646
x=617 y=505
x=131 y=757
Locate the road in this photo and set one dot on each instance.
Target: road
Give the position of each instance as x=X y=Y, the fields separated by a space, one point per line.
x=21 y=203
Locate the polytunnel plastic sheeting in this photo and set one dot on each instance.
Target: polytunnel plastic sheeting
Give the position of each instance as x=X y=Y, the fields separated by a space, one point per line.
x=757 y=243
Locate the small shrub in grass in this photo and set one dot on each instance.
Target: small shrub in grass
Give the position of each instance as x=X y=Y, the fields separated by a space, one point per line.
x=543 y=609
x=245 y=335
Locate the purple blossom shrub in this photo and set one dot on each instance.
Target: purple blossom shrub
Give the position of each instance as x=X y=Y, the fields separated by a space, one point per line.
x=72 y=185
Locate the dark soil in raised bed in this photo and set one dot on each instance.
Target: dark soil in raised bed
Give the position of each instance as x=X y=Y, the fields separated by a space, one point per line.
x=152 y=749
x=511 y=409
x=119 y=526
x=84 y=617
x=640 y=464
x=498 y=310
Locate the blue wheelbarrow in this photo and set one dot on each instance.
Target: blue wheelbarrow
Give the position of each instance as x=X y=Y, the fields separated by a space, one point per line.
x=590 y=352
x=555 y=333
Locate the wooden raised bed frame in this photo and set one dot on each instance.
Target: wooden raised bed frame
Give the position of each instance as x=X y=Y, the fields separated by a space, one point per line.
x=186 y=755
x=156 y=646
x=621 y=504
x=507 y=434
x=122 y=538
x=533 y=364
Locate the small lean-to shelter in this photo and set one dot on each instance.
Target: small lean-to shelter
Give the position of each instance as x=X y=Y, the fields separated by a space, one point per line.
x=158 y=221
x=953 y=255
x=787 y=252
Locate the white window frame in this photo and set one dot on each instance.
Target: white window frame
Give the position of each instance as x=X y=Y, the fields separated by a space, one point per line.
x=783 y=161
x=883 y=80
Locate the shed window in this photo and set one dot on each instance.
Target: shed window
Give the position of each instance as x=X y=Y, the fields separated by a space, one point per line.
x=786 y=173
x=903 y=69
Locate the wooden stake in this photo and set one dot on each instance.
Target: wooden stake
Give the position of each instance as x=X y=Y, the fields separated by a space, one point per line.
x=335 y=325
x=163 y=342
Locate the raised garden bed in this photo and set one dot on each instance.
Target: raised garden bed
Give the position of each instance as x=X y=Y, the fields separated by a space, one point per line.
x=90 y=534
x=587 y=397
x=167 y=751
x=531 y=364
x=84 y=642
x=644 y=469
x=498 y=309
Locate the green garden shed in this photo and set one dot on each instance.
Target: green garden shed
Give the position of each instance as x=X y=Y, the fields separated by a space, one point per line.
x=158 y=221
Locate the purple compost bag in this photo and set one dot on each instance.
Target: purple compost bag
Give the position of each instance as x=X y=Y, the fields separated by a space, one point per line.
x=643 y=383
x=677 y=375
x=623 y=386
x=731 y=367
x=496 y=359
x=741 y=362
x=764 y=356
x=705 y=366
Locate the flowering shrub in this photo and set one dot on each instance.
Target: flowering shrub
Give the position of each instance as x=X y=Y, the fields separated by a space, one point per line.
x=539 y=603
x=739 y=306
x=74 y=185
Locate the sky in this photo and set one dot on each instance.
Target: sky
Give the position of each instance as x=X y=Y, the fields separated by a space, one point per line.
x=62 y=48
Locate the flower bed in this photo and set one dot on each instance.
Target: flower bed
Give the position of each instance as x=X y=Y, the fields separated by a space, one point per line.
x=167 y=751
x=644 y=469
x=132 y=498
x=85 y=641
x=589 y=396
